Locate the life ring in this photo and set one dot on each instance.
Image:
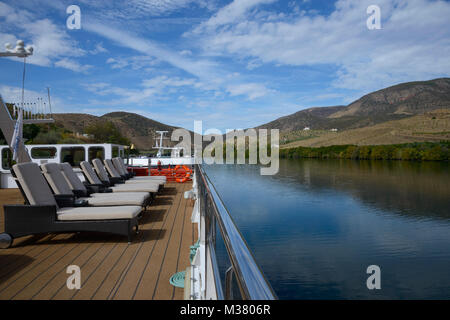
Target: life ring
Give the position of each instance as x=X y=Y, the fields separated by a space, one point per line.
x=184 y=179
x=187 y=169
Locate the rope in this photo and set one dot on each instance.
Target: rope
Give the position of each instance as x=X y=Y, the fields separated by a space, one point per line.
x=177 y=280
x=193 y=250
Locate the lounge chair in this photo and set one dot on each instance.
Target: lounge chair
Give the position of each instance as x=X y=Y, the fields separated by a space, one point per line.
x=92 y=177
x=120 y=167
x=42 y=214
x=84 y=189
x=102 y=172
x=62 y=189
x=113 y=172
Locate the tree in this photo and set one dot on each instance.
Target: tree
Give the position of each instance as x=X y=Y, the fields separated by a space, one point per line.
x=106 y=132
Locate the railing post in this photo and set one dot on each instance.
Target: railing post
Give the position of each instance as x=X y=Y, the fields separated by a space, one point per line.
x=229 y=283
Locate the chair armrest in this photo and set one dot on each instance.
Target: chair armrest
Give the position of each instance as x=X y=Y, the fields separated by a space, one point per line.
x=107 y=184
x=24 y=219
x=116 y=180
x=65 y=200
x=81 y=193
x=93 y=184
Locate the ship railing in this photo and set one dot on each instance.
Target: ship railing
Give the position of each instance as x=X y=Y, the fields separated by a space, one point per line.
x=251 y=282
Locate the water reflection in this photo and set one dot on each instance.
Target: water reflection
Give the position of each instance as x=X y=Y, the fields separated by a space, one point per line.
x=316 y=226
x=420 y=189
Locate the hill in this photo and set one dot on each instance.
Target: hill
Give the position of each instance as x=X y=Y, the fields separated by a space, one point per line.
x=393 y=103
x=432 y=126
x=140 y=130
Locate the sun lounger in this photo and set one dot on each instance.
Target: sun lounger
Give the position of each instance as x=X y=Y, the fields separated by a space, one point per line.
x=85 y=189
x=92 y=177
x=60 y=186
x=42 y=214
x=113 y=172
x=122 y=170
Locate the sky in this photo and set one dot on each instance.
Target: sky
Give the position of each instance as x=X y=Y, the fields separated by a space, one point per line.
x=231 y=64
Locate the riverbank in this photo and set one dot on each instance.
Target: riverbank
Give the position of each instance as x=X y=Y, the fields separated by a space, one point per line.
x=419 y=151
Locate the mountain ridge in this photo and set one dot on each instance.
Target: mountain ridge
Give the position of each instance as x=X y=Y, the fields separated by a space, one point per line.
x=391 y=103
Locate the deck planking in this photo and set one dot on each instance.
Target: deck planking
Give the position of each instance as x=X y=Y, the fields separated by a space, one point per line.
x=35 y=267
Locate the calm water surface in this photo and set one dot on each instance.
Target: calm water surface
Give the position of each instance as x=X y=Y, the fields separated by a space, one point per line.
x=316 y=226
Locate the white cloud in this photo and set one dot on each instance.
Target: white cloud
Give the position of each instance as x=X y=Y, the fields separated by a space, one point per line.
x=164 y=81
x=209 y=75
x=414 y=42
x=14 y=95
x=232 y=12
x=50 y=42
x=251 y=90
x=199 y=68
x=72 y=65
x=159 y=7
x=98 y=49
x=134 y=62
x=137 y=9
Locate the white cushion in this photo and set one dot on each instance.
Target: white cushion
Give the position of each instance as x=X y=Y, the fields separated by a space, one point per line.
x=123 y=199
x=157 y=182
x=136 y=187
x=98 y=213
x=150 y=178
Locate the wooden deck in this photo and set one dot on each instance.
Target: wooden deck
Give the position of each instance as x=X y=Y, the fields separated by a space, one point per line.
x=35 y=267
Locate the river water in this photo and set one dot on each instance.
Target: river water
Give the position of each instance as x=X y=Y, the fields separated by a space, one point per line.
x=316 y=226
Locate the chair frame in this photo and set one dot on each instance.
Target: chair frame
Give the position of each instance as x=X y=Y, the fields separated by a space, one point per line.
x=24 y=220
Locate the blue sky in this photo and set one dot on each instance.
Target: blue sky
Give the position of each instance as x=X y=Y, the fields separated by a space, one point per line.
x=231 y=64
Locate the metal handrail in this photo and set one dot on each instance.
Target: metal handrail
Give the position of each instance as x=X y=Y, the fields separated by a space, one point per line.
x=251 y=281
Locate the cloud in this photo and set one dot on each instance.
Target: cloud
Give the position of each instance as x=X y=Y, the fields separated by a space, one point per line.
x=251 y=90
x=98 y=49
x=199 y=68
x=232 y=12
x=414 y=42
x=209 y=75
x=132 y=10
x=50 y=42
x=164 y=81
x=12 y=94
x=72 y=65
x=133 y=62
x=159 y=7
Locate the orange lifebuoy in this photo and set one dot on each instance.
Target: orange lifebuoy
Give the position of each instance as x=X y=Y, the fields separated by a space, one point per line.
x=182 y=180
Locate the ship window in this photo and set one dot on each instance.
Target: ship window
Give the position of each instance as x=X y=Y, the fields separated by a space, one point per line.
x=96 y=153
x=6 y=159
x=122 y=153
x=115 y=152
x=43 y=153
x=73 y=155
